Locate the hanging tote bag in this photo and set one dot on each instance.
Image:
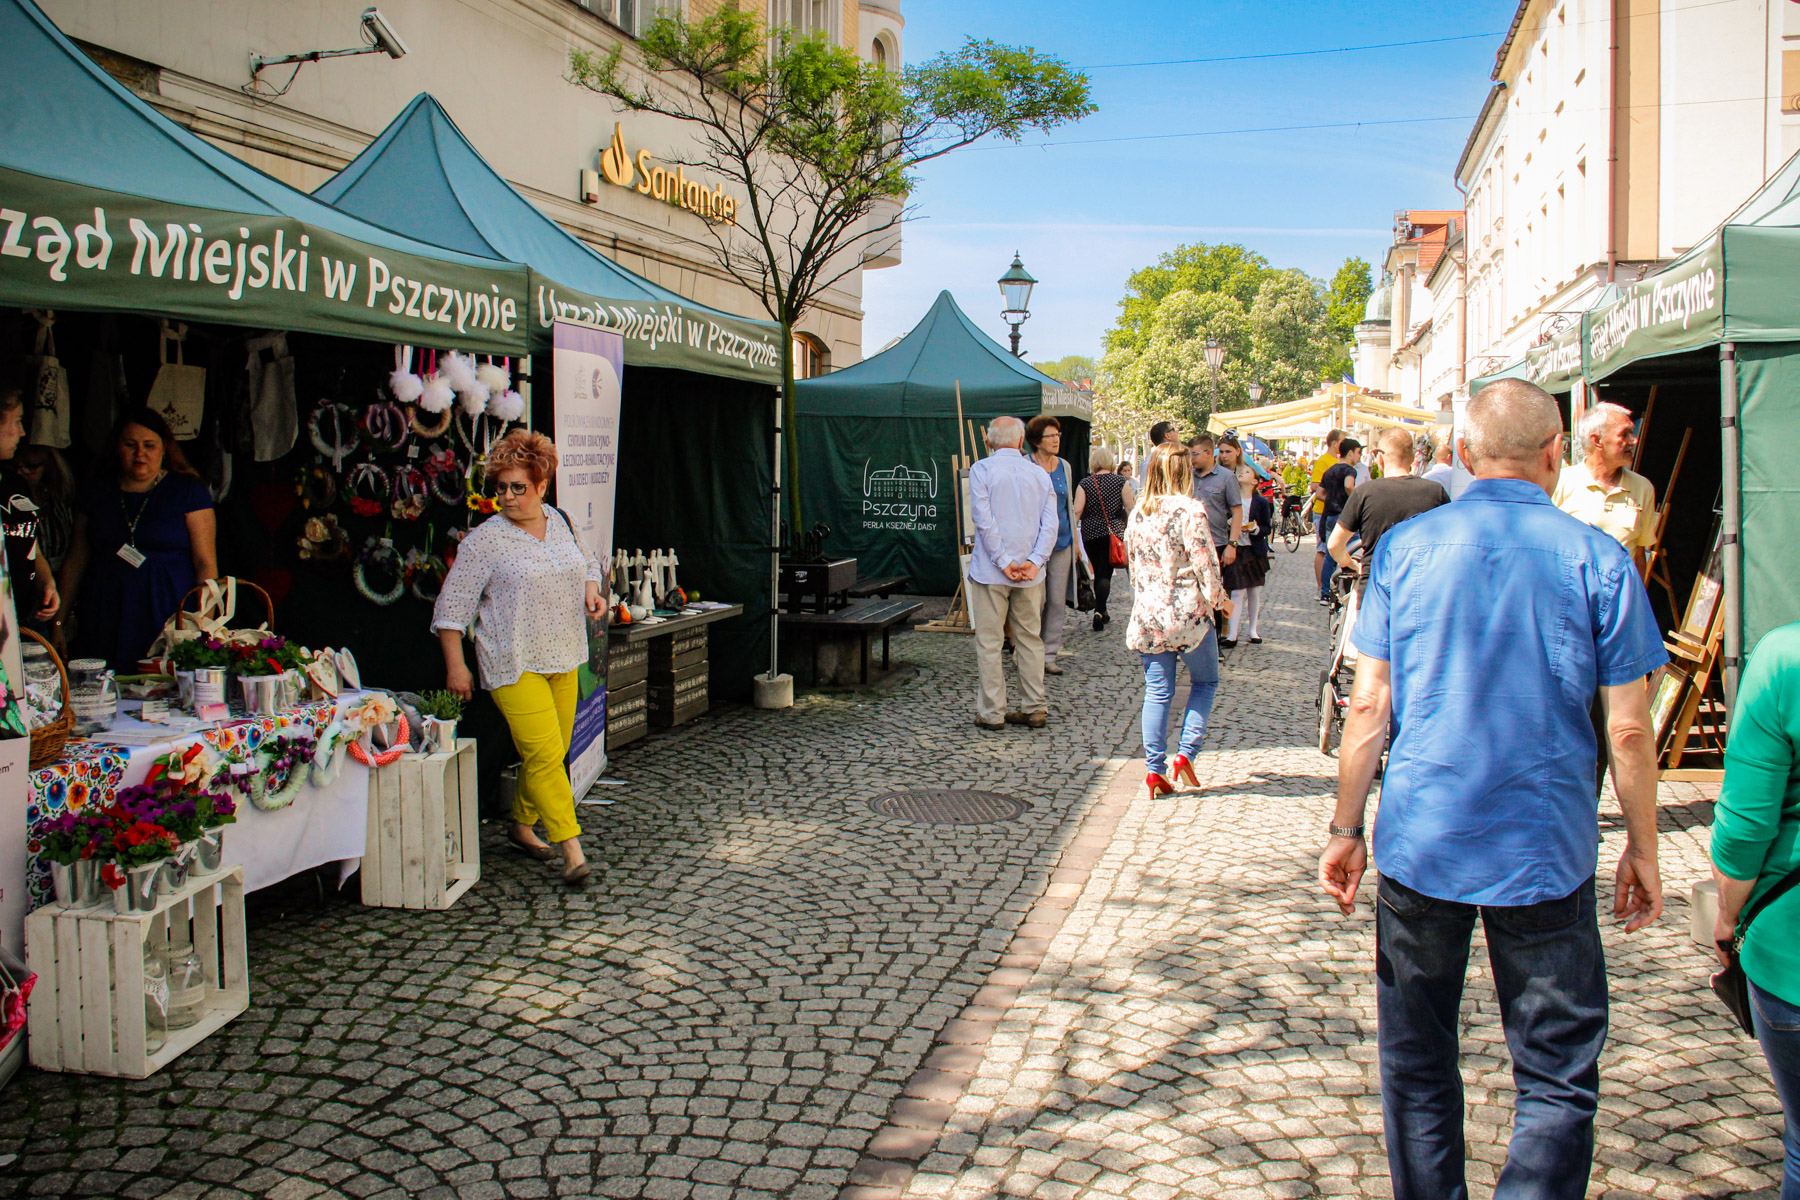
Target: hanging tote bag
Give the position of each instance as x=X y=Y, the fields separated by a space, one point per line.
x=179 y=394
x=1115 y=545
x=48 y=398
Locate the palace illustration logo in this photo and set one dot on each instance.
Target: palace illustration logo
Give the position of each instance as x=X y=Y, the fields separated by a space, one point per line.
x=900 y=498
x=899 y=482
x=615 y=161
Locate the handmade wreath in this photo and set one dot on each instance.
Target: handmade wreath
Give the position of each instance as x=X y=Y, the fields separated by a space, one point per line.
x=372 y=714
x=333 y=429
x=286 y=759
x=447 y=480
x=380 y=555
x=323 y=539
x=366 y=489
x=386 y=428
x=411 y=493
x=328 y=754
x=425 y=573
x=437 y=428
x=316 y=486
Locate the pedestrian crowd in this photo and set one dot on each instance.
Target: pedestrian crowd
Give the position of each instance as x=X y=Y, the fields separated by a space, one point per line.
x=1505 y=647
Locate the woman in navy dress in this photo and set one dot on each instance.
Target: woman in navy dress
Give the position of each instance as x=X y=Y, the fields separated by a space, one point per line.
x=144 y=534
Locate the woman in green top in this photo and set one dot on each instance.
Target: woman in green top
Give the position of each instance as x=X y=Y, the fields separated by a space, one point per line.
x=1755 y=843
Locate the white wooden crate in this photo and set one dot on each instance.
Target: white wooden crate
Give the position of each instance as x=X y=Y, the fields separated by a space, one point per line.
x=414 y=802
x=87 y=1011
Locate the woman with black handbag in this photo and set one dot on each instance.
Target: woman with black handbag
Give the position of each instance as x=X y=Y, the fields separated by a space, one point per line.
x=1101 y=504
x=1756 y=862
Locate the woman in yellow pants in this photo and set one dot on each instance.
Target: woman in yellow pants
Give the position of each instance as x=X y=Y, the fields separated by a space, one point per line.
x=525 y=586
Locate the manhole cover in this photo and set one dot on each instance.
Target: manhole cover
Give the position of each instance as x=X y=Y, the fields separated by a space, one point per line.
x=949 y=807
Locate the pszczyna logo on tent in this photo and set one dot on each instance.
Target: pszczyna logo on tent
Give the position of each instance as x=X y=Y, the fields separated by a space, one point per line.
x=900 y=497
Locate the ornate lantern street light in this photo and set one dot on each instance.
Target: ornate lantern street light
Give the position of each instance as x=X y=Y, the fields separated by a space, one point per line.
x=1015 y=288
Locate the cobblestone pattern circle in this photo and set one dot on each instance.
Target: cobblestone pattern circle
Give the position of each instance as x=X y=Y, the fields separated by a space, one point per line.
x=938 y=806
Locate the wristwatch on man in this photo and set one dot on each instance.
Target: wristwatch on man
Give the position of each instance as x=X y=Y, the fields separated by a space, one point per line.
x=1350 y=831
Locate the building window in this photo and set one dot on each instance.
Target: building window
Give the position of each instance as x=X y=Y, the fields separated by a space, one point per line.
x=878 y=53
x=634 y=16
x=809 y=356
x=807 y=17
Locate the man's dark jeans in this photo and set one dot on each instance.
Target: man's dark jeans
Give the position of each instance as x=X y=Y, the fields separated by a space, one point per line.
x=1551 y=977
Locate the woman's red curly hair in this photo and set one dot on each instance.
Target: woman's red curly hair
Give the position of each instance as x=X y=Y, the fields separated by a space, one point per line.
x=527 y=450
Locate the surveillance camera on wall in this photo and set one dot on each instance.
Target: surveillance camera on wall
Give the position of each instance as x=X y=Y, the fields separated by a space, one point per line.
x=382 y=34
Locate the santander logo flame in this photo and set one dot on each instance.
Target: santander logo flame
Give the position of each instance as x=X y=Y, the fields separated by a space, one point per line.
x=615 y=160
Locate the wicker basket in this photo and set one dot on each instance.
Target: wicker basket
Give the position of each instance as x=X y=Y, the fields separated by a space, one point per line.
x=242 y=585
x=47 y=742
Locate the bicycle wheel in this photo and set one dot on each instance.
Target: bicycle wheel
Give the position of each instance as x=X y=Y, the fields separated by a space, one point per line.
x=1291 y=532
x=1328 y=714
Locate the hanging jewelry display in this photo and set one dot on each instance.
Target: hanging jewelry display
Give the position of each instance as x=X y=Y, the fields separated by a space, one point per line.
x=386 y=428
x=333 y=429
x=411 y=493
x=366 y=488
x=380 y=557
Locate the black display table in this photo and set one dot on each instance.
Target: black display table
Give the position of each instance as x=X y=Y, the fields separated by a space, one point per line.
x=657 y=674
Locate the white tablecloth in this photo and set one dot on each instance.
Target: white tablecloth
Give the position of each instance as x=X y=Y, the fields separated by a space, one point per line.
x=322 y=825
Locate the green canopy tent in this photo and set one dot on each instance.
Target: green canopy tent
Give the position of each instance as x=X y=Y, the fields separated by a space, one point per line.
x=878 y=439
x=1730 y=309
x=703 y=381
x=108 y=206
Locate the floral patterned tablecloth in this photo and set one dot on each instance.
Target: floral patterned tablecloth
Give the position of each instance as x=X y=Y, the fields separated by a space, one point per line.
x=89 y=775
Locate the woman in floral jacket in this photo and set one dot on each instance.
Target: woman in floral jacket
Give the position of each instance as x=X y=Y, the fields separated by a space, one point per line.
x=1175 y=587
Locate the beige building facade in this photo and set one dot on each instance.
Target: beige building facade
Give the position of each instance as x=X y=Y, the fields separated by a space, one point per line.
x=499 y=67
x=1616 y=135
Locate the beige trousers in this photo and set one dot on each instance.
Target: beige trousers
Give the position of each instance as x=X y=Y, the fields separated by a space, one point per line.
x=993 y=608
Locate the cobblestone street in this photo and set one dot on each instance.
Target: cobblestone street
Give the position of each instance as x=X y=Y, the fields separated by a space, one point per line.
x=769 y=990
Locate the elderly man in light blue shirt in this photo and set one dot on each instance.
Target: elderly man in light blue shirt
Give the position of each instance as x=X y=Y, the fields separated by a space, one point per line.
x=1014 y=508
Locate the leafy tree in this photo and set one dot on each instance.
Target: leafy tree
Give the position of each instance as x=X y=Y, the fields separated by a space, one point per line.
x=1225 y=268
x=1169 y=377
x=820 y=144
x=1069 y=368
x=1346 y=299
x=1290 y=340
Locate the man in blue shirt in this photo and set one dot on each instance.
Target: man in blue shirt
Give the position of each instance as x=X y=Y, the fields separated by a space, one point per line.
x=1014 y=509
x=1486 y=628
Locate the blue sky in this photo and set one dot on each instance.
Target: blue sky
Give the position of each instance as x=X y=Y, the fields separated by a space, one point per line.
x=1086 y=216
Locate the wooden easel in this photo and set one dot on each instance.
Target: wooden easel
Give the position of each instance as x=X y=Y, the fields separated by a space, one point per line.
x=1690 y=681
x=957 y=619
x=1656 y=565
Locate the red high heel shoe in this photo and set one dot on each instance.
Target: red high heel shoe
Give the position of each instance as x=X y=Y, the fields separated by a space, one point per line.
x=1179 y=766
x=1159 y=787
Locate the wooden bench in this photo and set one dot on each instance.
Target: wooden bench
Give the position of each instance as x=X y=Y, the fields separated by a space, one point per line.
x=883 y=587
x=863 y=618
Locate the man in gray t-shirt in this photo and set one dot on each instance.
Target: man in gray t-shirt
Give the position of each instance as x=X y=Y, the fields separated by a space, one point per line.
x=1217 y=488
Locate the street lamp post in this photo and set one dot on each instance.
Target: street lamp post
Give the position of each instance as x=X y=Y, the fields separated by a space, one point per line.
x=1256 y=391
x=1015 y=289
x=1215 y=358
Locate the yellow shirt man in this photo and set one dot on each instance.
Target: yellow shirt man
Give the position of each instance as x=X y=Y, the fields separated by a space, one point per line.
x=1626 y=511
x=1326 y=461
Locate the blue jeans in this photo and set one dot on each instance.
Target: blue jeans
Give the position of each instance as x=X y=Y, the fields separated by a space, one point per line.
x=1778 y=1030
x=1551 y=977
x=1159 y=690
x=1326 y=525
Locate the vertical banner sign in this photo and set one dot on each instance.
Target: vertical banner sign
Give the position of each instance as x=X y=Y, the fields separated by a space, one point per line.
x=15 y=781
x=586 y=365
